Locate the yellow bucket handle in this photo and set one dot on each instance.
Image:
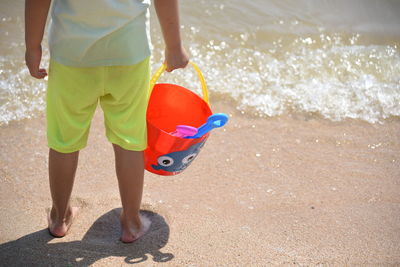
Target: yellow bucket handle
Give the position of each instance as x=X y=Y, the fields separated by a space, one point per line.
x=163 y=67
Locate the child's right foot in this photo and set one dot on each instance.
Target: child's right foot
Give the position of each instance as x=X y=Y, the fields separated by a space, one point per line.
x=60 y=228
x=131 y=233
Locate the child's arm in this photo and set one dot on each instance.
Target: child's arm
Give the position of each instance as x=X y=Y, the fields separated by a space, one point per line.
x=168 y=15
x=35 y=21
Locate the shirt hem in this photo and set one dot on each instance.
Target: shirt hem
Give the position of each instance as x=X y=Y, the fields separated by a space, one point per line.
x=103 y=62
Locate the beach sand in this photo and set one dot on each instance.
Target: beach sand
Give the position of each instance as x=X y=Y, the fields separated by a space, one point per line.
x=291 y=190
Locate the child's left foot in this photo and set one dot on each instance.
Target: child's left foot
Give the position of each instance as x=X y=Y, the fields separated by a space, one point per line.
x=60 y=228
x=131 y=233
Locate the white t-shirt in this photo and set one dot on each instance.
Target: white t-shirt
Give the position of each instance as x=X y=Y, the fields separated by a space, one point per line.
x=86 y=33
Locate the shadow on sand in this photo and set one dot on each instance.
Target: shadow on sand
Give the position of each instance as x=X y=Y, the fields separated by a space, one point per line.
x=100 y=241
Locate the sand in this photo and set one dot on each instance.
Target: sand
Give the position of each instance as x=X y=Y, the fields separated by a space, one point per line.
x=289 y=190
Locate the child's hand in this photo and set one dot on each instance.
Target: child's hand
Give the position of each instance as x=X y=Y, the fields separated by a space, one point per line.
x=33 y=57
x=176 y=58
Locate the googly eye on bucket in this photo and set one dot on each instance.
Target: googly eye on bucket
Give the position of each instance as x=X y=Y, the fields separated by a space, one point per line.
x=178 y=125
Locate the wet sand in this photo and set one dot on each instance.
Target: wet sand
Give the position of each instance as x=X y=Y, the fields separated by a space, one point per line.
x=289 y=190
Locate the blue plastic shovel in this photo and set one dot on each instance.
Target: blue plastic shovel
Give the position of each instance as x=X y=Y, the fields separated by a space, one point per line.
x=214 y=121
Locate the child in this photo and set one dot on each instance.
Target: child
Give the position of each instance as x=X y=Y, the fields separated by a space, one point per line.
x=99 y=52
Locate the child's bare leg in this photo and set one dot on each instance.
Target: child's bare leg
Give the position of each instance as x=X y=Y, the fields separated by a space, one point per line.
x=130 y=172
x=62 y=168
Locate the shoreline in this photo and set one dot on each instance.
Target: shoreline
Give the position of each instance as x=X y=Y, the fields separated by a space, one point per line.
x=273 y=191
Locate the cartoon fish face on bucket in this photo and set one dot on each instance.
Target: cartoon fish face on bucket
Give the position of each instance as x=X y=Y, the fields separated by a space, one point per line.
x=175 y=162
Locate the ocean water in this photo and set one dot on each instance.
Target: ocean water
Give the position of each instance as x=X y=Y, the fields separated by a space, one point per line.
x=333 y=59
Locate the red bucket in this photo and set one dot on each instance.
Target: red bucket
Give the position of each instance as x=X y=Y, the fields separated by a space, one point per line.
x=171 y=105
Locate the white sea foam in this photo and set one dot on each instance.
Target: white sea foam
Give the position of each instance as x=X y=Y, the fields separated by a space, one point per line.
x=325 y=75
x=20 y=96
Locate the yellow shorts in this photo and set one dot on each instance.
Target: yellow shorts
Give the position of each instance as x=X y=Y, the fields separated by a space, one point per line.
x=72 y=97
